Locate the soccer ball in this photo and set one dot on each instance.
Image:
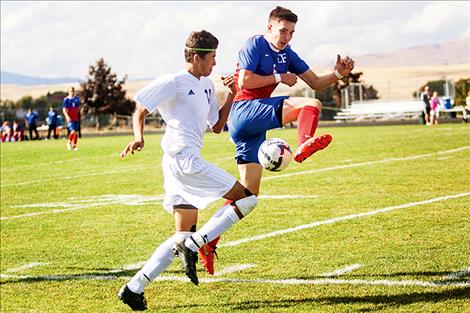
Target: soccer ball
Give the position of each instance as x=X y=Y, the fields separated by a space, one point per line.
x=274 y=154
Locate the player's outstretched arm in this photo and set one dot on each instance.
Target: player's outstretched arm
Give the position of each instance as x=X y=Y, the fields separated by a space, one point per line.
x=342 y=68
x=250 y=80
x=224 y=111
x=138 y=119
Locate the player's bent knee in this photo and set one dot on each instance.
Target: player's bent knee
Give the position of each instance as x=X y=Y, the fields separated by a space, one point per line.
x=246 y=205
x=314 y=103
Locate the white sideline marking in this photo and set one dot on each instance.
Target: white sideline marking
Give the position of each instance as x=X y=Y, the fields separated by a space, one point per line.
x=387 y=160
x=44 y=164
x=103 y=200
x=25 y=267
x=445 y=158
x=341 y=218
x=286 y=197
x=459 y=274
x=59 y=178
x=292 y=281
x=233 y=269
x=342 y=271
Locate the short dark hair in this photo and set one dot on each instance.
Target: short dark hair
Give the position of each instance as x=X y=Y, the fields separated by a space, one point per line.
x=281 y=13
x=199 y=40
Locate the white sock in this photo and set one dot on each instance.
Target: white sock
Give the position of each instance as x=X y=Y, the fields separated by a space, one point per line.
x=218 y=224
x=158 y=262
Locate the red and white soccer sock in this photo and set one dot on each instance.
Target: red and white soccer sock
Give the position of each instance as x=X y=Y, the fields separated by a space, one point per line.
x=158 y=262
x=307 y=123
x=218 y=224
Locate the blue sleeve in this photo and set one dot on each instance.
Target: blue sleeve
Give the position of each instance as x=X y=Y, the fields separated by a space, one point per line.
x=296 y=64
x=249 y=56
x=64 y=103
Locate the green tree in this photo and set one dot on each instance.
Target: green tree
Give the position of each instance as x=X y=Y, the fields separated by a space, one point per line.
x=104 y=93
x=461 y=89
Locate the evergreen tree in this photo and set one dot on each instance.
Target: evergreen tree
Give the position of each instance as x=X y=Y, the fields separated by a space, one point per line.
x=104 y=93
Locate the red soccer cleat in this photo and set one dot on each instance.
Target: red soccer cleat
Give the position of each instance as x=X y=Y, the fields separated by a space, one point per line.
x=206 y=255
x=310 y=146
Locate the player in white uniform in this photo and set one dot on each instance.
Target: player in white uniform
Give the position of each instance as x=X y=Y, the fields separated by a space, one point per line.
x=186 y=100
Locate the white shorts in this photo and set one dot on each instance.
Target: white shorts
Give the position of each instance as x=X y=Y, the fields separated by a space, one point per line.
x=189 y=179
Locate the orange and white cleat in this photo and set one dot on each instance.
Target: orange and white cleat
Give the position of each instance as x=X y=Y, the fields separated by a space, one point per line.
x=206 y=255
x=310 y=146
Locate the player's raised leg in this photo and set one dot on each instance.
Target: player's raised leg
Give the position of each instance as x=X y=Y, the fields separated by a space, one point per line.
x=306 y=111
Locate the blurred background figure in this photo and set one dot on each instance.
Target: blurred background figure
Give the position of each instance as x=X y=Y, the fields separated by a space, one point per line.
x=425 y=97
x=70 y=107
x=31 y=121
x=467 y=107
x=7 y=132
x=18 y=132
x=434 y=113
x=52 y=123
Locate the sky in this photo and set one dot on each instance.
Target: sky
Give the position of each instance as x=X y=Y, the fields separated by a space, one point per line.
x=143 y=39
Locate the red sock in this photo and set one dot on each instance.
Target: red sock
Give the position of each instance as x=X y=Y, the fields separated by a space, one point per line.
x=75 y=138
x=307 y=123
x=70 y=137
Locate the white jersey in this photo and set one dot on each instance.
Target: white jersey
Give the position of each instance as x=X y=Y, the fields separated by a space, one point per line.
x=187 y=105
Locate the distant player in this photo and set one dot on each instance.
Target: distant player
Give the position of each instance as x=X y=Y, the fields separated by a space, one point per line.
x=264 y=62
x=71 y=107
x=186 y=101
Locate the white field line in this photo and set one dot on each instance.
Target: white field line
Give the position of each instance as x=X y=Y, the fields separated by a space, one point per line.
x=286 y=197
x=387 y=160
x=45 y=164
x=25 y=267
x=458 y=274
x=445 y=158
x=342 y=271
x=60 y=178
x=233 y=269
x=292 y=281
x=103 y=200
x=341 y=218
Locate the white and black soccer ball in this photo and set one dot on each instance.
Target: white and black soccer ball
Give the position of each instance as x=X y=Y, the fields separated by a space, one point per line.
x=274 y=154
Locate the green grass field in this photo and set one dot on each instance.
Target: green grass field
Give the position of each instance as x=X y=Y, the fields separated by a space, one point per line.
x=379 y=221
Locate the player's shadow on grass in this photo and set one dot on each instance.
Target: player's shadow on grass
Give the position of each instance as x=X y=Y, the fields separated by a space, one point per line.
x=380 y=301
x=92 y=274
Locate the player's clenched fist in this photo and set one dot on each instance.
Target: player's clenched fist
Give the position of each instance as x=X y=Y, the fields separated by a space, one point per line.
x=289 y=79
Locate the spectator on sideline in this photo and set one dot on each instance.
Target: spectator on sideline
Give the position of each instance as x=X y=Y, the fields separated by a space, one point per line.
x=425 y=97
x=466 y=107
x=52 y=123
x=18 y=131
x=434 y=113
x=31 y=121
x=7 y=133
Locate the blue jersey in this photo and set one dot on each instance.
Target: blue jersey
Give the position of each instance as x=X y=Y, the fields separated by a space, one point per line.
x=52 y=115
x=31 y=118
x=258 y=56
x=71 y=106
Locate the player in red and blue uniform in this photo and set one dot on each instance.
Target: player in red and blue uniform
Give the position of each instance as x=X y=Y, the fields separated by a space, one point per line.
x=264 y=62
x=71 y=107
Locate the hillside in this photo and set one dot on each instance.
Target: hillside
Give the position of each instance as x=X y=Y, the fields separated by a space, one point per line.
x=395 y=74
x=452 y=52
